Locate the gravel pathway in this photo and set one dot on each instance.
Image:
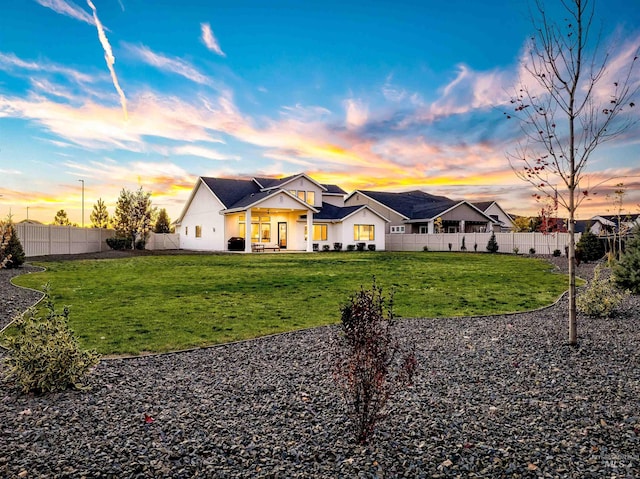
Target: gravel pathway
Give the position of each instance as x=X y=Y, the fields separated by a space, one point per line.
x=495 y=397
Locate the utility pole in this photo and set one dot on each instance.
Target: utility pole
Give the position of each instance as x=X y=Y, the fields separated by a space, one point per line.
x=82 y=181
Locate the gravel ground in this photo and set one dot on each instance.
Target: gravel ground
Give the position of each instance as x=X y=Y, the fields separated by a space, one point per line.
x=500 y=396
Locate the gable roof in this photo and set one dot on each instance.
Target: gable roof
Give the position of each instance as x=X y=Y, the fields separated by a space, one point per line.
x=334 y=190
x=411 y=205
x=230 y=191
x=273 y=183
x=483 y=205
x=330 y=212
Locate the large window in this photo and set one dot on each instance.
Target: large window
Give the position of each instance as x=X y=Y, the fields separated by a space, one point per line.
x=306 y=196
x=397 y=229
x=260 y=228
x=319 y=233
x=363 y=232
x=311 y=197
x=198 y=231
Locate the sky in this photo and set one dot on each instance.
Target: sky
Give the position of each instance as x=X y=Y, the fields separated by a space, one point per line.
x=101 y=95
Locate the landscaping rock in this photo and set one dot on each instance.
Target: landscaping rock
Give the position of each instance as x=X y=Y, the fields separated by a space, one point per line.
x=494 y=397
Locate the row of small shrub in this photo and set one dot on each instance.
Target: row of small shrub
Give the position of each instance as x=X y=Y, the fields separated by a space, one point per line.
x=350 y=247
x=119 y=243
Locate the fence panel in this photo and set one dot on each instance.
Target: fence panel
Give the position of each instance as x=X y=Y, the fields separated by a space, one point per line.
x=163 y=241
x=43 y=240
x=507 y=242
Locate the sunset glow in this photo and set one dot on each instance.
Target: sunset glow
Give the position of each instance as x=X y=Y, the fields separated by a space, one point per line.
x=389 y=96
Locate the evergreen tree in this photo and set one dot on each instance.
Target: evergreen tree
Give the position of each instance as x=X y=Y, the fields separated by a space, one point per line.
x=61 y=219
x=589 y=247
x=163 y=224
x=100 y=215
x=492 y=245
x=13 y=249
x=626 y=272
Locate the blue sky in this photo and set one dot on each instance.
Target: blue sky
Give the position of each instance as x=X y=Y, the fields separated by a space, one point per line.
x=365 y=94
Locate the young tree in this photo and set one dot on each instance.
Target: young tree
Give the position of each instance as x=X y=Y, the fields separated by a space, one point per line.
x=11 y=251
x=565 y=113
x=626 y=272
x=163 y=223
x=369 y=366
x=134 y=215
x=61 y=219
x=100 y=215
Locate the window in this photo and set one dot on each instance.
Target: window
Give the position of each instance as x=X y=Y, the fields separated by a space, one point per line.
x=397 y=229
x=265 y=232
x=311 y=197
x=260 y=228
x=302 y=195
x=198 y=231
x=424 y=229
x=363 y=232
x=319 y=233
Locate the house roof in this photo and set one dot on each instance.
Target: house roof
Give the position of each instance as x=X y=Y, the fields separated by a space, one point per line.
x=330 y=212
x=483 y=205
x=230 y=191
x=409 y=204
x=334 y=190
x=613 y=219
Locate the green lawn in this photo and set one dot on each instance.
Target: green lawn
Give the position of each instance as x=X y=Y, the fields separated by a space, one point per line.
x=164 y=303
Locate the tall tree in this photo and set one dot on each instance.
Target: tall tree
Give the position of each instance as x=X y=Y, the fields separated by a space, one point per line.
x=134 y=214
x=567 y=104
x=61 y=219
x=100 y=215
x=163 y=223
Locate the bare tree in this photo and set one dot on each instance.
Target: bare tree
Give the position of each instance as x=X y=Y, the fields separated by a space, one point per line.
x=567 y=104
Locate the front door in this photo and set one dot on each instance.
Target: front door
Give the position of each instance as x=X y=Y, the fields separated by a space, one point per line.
x=282 y=235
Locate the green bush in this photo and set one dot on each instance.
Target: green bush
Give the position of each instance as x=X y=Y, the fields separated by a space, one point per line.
x=626 y=272
x=492 y=244
x=532 y=251
x=337 y=246
x=326 y=247
x=600 y=299
x=556 y=252
x=351 y=247
x=361 y=246
x=44 y=354
x=425 y=248
x=119 y=243
x=371 y=247
x=589 y=247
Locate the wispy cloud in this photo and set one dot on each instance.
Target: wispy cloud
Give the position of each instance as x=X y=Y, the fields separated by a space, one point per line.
x=109 y=58
x=67 y=8
x=169 y=64
x=210 y=41
x=202 y=152
x=357 y=112
x=10 y=62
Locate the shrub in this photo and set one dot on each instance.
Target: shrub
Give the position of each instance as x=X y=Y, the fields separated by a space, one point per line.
x=425 y=248
x=316 y=246
x=351 y=247
x=532 y=251
x=360 y=246
x=44 y=354
x=515 y=250
x=556 y=253
x=369 y=366
x=326 y=247
x=590 y=247
x=371 y=247
x=450 y=245
x=463 y=247
x=492 y=244
x=475 y=247
x=337 y=246
x=119 y=243
x=140 y=244
x=626 y=272
x=600 y=299
x=11 y=251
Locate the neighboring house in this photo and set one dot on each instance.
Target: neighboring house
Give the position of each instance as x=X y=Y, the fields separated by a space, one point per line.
x=608 y=224
x=497 y=214
x=420 y=212
x=280 y=212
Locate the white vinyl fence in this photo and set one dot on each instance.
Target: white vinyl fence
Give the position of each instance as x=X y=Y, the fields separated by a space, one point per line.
x=507 y=242
x=160 y=241
x=42 y=240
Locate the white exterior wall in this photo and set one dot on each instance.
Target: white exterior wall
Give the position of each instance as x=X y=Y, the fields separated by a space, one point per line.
x=302 y=184
x=363 y=217
x=494 y=209
x=335 y=200
x=204 y=212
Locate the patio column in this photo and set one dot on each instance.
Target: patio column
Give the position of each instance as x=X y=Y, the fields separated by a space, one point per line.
x=247 y=231
x=309 y=231
x=462 y=226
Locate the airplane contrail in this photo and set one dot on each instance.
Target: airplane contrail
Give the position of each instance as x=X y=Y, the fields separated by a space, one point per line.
x=109 y=58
